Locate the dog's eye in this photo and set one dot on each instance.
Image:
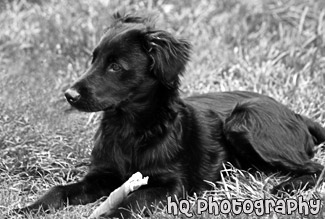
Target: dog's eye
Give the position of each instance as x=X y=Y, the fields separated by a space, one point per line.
x=113 y=67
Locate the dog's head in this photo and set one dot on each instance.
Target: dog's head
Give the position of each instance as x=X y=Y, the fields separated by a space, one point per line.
x=131 y=59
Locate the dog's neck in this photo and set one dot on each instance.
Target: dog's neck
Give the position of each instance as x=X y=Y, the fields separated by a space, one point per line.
x=156 y=110
x=137 y=127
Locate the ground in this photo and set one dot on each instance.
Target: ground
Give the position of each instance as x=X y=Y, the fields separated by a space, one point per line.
x=274 y=47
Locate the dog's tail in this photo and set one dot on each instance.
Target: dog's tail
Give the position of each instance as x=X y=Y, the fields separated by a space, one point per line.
x=316 y=130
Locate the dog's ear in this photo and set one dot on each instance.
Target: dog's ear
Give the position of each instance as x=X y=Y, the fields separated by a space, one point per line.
x=169 y=56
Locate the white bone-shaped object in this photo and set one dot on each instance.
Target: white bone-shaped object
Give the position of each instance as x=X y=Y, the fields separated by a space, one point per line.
x=118 y=195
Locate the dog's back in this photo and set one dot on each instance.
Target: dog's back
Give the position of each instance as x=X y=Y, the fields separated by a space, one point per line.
x=259 y=130
x=221 y=102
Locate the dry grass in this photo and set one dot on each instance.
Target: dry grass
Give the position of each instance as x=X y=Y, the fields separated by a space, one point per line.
x=275 y=47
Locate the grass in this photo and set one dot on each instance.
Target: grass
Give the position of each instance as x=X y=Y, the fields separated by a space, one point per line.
x=275 y=47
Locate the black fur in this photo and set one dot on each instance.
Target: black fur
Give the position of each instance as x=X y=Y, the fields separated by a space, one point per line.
x=178 y=143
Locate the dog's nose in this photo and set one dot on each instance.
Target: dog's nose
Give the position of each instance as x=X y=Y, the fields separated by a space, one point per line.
x=72 y=95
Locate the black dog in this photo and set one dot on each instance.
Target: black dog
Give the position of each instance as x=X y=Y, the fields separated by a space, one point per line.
x=178 y=143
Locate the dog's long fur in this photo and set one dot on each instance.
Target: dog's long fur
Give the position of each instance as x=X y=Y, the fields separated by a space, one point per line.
x=178 y=143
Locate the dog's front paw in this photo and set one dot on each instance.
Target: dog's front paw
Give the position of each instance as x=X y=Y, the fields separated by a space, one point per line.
x=53 y=199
